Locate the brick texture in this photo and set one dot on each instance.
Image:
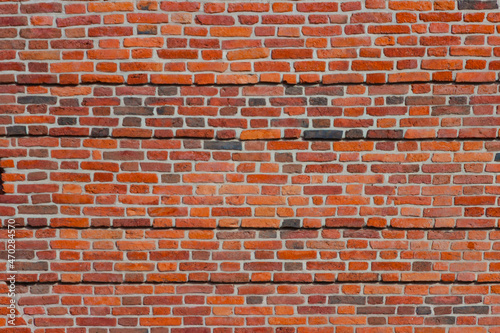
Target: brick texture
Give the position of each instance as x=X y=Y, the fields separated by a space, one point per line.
x=237 y=167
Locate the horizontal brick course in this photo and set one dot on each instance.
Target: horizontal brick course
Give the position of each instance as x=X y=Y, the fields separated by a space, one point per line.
x=237 y=43
x=400 y=111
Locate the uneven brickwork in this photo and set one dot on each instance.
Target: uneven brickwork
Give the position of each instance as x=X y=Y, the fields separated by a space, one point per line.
x=409 y=111
x=239 y=167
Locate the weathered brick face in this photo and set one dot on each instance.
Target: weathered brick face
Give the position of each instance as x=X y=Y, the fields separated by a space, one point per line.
x=269 y=167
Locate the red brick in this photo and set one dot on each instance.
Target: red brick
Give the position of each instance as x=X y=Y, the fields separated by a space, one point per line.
x=192 y=199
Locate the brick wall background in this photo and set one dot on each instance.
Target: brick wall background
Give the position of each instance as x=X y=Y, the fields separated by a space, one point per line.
x=279 y=166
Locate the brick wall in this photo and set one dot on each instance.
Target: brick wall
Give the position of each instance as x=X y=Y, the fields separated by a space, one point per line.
x=284 y=167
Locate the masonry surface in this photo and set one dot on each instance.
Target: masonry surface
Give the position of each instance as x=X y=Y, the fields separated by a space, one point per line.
x=236 y=167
